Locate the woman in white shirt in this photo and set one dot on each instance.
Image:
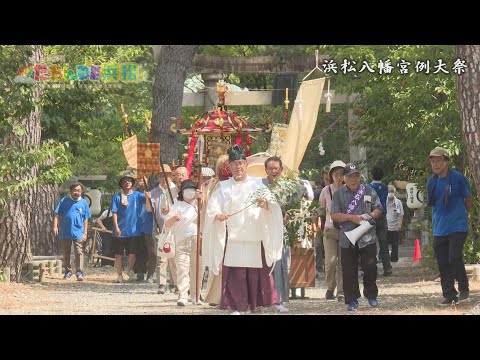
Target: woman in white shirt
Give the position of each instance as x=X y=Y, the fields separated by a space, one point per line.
x=182 y=220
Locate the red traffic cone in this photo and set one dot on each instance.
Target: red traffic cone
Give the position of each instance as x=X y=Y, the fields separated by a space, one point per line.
x=417 y=253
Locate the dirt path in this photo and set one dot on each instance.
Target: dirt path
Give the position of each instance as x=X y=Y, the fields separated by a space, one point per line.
x=411 y=290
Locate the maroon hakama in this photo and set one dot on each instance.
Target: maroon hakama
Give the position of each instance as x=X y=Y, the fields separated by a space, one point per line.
x=242 y=286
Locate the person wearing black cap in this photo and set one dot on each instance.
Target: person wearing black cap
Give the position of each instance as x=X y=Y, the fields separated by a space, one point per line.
x=182 y=219
x=126 y=207
x=352 y=205
x=449 y=195
x=250 y=237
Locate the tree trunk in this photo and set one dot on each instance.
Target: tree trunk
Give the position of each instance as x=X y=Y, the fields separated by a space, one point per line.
x=28 y=221
x=174 y=61
x=40 y=219
x=468 y=94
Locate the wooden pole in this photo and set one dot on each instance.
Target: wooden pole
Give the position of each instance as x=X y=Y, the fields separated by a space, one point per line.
x=58 y=266
x=30 y=271
x=51 y=267
x=166 y=180
x=199 y=236
x=285 y=113
x=42 y=258
x=41 y=274
x=199 y=212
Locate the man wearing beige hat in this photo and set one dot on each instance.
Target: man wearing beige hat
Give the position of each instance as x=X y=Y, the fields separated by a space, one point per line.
x=449 y=195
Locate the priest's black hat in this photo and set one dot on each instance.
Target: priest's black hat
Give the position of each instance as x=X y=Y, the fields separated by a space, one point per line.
x=236 y=153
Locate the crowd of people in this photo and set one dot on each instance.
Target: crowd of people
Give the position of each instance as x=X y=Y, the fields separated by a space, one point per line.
x=243 y=246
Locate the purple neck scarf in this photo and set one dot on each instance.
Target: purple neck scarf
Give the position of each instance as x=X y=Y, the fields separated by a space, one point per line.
x=357 y=199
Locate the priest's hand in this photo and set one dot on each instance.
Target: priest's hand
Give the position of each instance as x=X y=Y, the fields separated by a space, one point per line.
x=221 y=217
x=262 y=203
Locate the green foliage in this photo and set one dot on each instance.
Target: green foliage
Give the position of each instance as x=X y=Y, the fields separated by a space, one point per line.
x=420 y=109
x=23 y=164
x=402 y=117
x=51 y=160
x=15 y=99
x=281 y=190
x=89 y=118
x=82 y=127
x=301 y=215
x=332 y=130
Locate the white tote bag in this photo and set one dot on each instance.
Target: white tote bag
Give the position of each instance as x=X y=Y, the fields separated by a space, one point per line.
x=166 y=244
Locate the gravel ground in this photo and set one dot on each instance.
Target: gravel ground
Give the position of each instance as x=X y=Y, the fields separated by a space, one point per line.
x=412 y=290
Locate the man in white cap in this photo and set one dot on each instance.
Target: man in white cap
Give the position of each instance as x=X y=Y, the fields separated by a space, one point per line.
x=449 y=195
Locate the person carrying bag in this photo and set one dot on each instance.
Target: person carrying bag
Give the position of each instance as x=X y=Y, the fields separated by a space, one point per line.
x=166 y=244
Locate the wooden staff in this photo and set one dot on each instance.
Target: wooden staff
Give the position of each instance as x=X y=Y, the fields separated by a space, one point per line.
x=149 y=127
x=285 y=113
x=159 y=229
x=166 y=180
x=199 y=206
x=125 y=118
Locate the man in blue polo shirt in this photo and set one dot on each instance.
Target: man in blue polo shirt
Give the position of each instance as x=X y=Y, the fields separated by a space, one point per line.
x=72 y=214
x=126 y=209
x=448 y=192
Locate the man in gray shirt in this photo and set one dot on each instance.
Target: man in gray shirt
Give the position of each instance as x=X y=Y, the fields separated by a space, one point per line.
x=352 y=204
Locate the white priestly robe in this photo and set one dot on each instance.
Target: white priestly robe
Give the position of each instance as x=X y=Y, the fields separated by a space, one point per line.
x=247 y=230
